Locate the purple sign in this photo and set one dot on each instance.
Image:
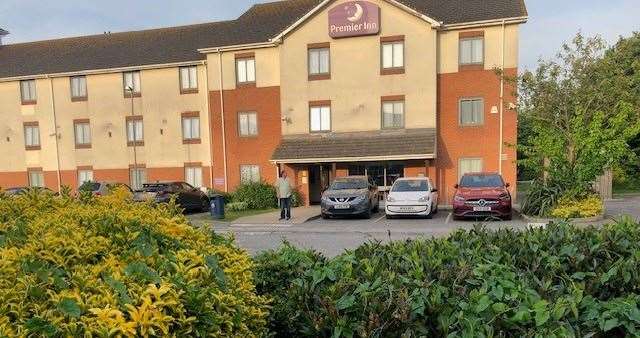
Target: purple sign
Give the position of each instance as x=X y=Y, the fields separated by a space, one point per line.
x=354 y=18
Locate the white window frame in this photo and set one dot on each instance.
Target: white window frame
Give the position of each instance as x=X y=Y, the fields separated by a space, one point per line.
x=193 y=176
x=131 y=79
x=319 y=61
x=36 y=178
x=253 y=170
x=392 y=54
x=246 y=70
x=476 y=102
x=190 y=128
x=188 y=79
x=32 y=136
x=28 y=92
x=245 y=127
x=468 y=51
x=320 y=119
x=84 y=175
x=137 y=177
x=82 y=133
x=393 y=104
x=138 y=124
x=463 y=159
x=78 y=86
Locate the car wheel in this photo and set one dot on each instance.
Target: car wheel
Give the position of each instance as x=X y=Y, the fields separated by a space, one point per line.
x=389 y=216
x=435 y=211
x=429 y=215
x=367 y=214
x=324 y=216
x=508 y=217
x=376 y=208
x=204 y=205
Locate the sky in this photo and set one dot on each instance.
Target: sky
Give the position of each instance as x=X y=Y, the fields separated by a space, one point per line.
x=551 y=22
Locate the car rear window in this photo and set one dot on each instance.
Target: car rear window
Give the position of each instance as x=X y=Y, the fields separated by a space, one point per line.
x=349 y=183
x=155 y=187
x=481 y=181
x=410 y=185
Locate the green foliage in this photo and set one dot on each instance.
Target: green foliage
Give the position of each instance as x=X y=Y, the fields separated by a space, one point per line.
x=227 y=196
x=296 y=199
x=541 y=199
x=561 y=281
x=259 y=195
x=237 y=206
x=589 y=206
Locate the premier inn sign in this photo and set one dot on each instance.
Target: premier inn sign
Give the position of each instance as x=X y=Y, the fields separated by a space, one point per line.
x=354 y=18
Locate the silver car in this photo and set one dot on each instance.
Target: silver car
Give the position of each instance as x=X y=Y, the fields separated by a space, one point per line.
x=350 y=195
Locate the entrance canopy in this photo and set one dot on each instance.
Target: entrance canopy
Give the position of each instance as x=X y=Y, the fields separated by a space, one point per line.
x=405 y=144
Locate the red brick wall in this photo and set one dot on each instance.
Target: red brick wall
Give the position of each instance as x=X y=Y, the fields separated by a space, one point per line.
x=455 y=142
x=257 y=150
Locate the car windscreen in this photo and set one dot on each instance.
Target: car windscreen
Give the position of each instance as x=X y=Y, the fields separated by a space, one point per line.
x=481 y=181
x=89 y=186
x=348 y=184
x=410 y=185
x=155 y=187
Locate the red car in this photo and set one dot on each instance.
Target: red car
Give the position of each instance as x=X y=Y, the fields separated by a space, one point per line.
x=482 y=195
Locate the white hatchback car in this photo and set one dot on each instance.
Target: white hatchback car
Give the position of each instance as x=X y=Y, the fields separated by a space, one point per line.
x=414 y=196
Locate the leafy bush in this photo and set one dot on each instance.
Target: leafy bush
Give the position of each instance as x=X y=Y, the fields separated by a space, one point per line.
x=258 y=195
x=296 y=199
x=237 y=206
x=227 y=196
x=578 y=208
x=107 y=267
x=561 y=281
x=541 y=199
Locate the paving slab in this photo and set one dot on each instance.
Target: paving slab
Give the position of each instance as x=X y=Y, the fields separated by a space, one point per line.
x=299 y=215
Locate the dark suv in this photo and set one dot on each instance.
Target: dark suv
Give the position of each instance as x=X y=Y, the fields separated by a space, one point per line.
x=482 y=195
x=351 y=195
x=188 y=197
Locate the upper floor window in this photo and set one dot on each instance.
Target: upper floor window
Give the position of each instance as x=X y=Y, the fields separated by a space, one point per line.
x=131 y=83
x=245 y=69
x=471 y=112
x=32 y=135
x=471 y=50
x=249 y=173
x=392 y=54
x=319 y=61
x=189 y=79
x=135 y=131
x=82 y=133
x=78 y=88
x=28 y=91
x=320 y=117
x=248 y=124
x=393 y=113
x=191 y=127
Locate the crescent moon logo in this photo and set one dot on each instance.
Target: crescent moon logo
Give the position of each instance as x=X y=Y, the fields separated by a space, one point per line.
x=357 y=15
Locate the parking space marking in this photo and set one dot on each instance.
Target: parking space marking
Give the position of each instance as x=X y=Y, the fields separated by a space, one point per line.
x=379 y=219
x=448 y=218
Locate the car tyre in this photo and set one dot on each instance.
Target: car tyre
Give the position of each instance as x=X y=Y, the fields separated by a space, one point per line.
x=429 y=215
x=367 y=214
x=324 y=216
x=508 y=217
x=376 y=208
x=205 y=205
x=389 y=216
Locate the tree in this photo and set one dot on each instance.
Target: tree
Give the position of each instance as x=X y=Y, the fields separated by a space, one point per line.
x=582 y=113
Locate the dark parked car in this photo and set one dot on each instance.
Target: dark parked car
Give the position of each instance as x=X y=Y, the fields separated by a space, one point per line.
x=188 y=197
x=351 y=195
x=102 y=188
x=23 y=190
x=482 y=195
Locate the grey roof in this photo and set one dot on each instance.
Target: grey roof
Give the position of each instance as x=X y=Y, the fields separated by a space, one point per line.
x=178 y=44
x=360 y=144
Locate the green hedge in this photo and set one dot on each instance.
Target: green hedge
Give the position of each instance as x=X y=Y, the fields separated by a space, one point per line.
x=258 y=195
x=562 y=281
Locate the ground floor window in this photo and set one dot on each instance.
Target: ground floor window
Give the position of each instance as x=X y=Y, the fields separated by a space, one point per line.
x=84 y=176
x=249 y=174
x=469 y=165
x=36 y=178
x=193 y=176
x=138 y=178
x=384 y=174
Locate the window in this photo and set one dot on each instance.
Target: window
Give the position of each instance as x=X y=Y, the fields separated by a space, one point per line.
x=32 y=136
x=248 y=124
x=471 y=112
x=135 y=131
x=320 y=118
x=249 y=173
x=472 y=51
x=28 y=91
x=84 y=176
x=319 y=64
x=392 y=114
x=189 y=79
x=36 y=178
x=131 y=81
x=193 y=176
x=246 y=70
x=469 y=165
x=382 y=174
x=191 y=127
x=138 y=177
x=392 y=54
x=78 y=88
x=83 y=133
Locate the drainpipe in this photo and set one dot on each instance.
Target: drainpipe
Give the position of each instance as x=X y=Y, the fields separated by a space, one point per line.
x=210 y=124
x=55 y=132
x=224 y=135
x=501 y=102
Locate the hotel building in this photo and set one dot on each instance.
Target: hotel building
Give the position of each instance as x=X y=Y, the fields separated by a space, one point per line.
x=320 y=88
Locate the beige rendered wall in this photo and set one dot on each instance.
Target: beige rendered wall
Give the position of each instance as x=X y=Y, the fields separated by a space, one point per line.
x=267 y=68
x=161 y=104
x=356 y=86
x=448 y=45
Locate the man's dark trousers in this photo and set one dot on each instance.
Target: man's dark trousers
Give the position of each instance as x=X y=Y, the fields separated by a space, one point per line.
x=285 y=207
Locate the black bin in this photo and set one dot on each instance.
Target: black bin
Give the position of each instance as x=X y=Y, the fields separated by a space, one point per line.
x=217 y=206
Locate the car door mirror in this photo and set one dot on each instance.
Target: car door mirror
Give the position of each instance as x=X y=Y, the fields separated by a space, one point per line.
x=456 y=186
x=507 y=185
x=434 y=190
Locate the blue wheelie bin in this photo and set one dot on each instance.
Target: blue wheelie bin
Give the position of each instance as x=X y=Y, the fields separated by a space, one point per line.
x=217 y=206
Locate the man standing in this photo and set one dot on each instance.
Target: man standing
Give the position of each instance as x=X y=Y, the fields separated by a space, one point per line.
x=283 y=187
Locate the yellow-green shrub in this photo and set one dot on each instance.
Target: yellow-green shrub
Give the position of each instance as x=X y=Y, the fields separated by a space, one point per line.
x=109 y=267
x=571 y=208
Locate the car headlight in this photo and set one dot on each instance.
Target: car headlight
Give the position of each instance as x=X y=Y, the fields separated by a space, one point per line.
x=358 y=199
x=424 y=199
x=458 y=198
x=505 y=197
x=390 y=199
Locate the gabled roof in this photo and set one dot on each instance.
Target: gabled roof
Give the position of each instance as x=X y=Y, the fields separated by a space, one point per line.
x=259 y=24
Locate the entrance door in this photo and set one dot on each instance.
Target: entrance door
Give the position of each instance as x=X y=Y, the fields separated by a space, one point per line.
x=319 y=176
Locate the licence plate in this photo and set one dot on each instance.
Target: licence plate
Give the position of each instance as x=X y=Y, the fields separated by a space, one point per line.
x=481 y=208
x=342 y=206
x=407 y=209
